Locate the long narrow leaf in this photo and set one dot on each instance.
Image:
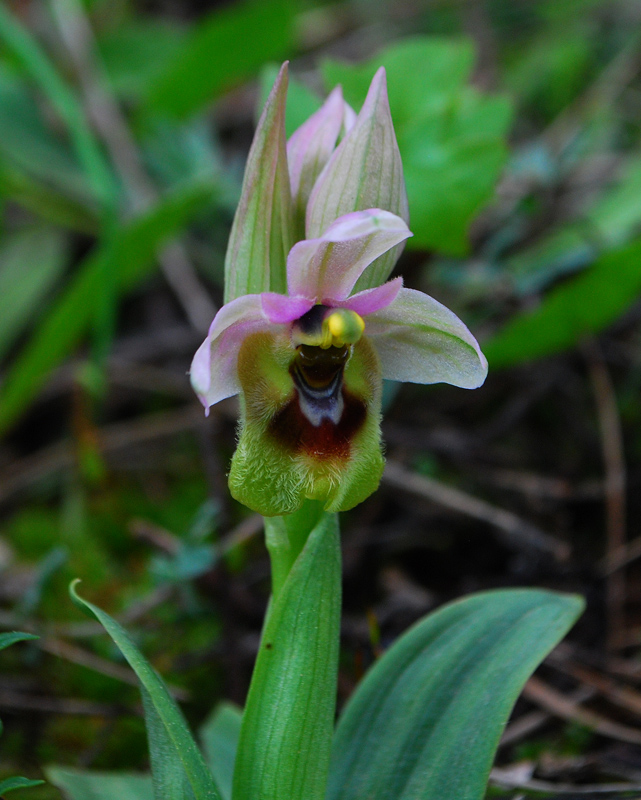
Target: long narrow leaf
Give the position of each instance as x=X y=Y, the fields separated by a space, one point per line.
x=49 y=204
x=177 y=732
x=7 y=639
x=579 y=307
x=425 y=722
x=131 y=256
x=167 y=773
x=8 y=784
x=36 y=63
x=81 y=785
x=219 y=735
x=217 y=56
x=28 y=142
x=285 y=738
x=31 y=262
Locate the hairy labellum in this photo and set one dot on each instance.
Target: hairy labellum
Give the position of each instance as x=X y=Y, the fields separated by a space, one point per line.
x=310 y=424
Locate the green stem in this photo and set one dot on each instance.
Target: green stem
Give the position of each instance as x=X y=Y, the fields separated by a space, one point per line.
x=287 y=728
x=286 y=537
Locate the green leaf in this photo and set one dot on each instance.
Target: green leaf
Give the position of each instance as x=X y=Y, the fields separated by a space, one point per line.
x=616 y=215
x=167 y=773
x=609 y=222
x=551 y=69
x=31 y=262
x=226 y=48
x=219 y=736
x=131 y=255
x=425 y=722
x=583 y=305
x=7 y=639
x=77 y=784
x=449 y=179
x=451 y=137
x=38 y=66
x=285 y=738
x=183 y=748
x=47 y=203
x=136 y=52
x=423 y=73
x=8 y=784
x=28 y=143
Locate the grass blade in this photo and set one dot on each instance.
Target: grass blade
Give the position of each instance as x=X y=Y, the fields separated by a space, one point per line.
x=176 y=732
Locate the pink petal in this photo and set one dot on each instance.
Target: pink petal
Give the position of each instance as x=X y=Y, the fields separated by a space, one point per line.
x=281 y=310
x=421 y=341
x=311 y=145
x=372 y=300
x=349 y=118
x=213 y=371
x=365 y=171
x=328 y=267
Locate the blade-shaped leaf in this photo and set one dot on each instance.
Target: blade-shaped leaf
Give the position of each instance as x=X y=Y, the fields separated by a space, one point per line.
x=583 y=305
x=176 y=733
x=224 y=49
x=611 y=222
x=136 y=52
x=131 y=255
x=29 y=144
x=31 y=261
x=16 y=782
x=219 y=736
x=38 y=66
x=47 y=203
x=7 y=639
x=285 y=737
x=80 y=785
x=167 y=773
x=425 y=722
x=8 y=784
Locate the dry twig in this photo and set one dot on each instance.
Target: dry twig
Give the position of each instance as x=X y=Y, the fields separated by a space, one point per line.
x=615 y=481
x=503 y=777
x=516 y=532
x=561 y=706
x=56 y=705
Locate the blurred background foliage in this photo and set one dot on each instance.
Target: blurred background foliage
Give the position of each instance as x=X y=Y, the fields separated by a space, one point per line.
x=124 y=125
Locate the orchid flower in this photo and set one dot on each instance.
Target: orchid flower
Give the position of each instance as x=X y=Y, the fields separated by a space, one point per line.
x=308 y=361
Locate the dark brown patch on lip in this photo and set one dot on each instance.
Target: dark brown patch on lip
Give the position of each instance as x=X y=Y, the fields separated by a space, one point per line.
x=291 y=428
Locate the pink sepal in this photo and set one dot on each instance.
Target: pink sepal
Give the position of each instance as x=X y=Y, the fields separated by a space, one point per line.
x=281 y=309
x=328 y=267
x=213 y=370
x=372 y=300
x=419 y=340
x=311 y=145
